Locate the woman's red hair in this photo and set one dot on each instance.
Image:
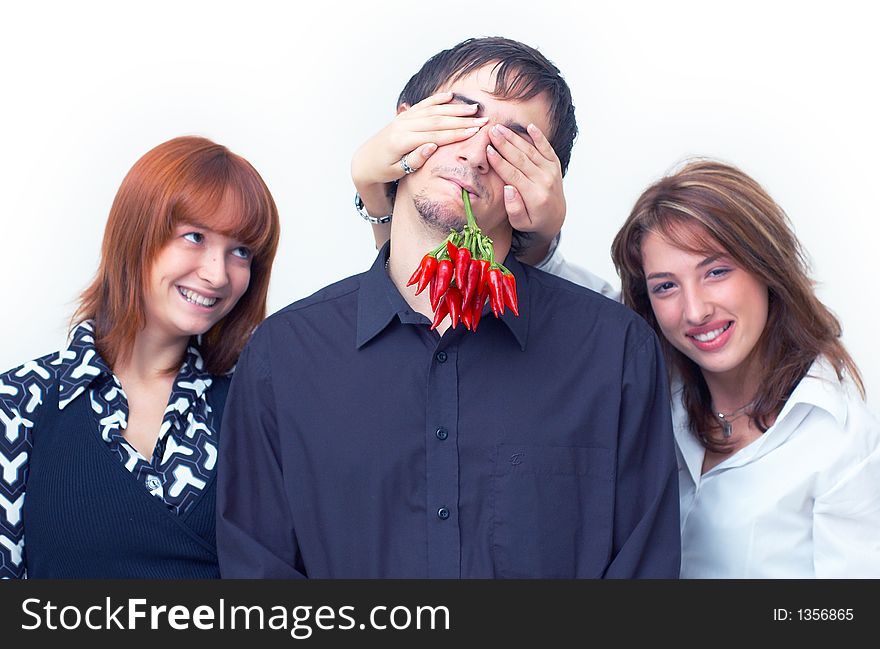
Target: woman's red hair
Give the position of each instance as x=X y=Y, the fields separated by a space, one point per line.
x=182 y=180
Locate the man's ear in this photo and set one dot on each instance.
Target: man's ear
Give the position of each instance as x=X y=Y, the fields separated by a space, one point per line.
x=403 y=107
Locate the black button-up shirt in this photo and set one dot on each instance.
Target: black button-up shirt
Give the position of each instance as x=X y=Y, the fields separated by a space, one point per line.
x=359 y=444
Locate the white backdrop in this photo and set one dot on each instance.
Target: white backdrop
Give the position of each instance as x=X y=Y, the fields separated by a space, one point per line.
x=786 y=90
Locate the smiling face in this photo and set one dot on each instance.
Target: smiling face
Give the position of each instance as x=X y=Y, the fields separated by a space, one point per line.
x=707 y=306
x=436 y=188
x=196 y=279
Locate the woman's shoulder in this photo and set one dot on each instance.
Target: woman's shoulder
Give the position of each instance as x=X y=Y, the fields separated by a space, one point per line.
x=824 y=388
x=23 y=388
x=837 y=410
x=27 y=385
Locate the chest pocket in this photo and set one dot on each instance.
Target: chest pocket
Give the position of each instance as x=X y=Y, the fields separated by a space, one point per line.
x=553 y=510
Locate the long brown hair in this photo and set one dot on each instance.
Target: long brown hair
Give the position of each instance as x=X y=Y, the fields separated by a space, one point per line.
x=182 y=180
x=736 y=214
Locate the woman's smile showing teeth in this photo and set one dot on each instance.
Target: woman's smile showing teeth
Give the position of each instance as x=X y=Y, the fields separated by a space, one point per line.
x=197 y=298
x=711 y=336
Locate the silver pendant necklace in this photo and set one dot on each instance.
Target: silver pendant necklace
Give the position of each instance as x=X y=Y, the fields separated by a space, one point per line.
x=726 y=420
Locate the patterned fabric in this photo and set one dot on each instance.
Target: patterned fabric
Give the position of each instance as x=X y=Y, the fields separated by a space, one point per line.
x=183 y=460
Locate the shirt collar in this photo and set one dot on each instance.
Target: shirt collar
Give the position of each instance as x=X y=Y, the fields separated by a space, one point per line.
x=379 y=302
x=192 y=377
x=81 y=365
x=820 y=388
x=690 y=449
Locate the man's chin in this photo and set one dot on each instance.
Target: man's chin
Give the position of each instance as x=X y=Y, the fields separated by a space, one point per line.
x=441 y=215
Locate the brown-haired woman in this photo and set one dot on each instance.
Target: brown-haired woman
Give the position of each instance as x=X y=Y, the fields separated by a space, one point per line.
x=114 y=439
x=779 y=459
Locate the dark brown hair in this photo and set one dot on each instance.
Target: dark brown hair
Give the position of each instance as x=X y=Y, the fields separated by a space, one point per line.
x=522 y=72
x=734 y=213
x=182 y=180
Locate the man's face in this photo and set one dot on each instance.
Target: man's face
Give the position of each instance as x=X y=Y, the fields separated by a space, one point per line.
x=436 y=187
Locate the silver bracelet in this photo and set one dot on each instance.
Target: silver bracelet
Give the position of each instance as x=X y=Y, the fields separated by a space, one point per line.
x=376 y=220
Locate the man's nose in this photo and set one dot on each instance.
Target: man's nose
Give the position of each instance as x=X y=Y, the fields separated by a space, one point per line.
x=472 y=151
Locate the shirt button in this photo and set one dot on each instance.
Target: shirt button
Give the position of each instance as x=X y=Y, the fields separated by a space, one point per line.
x=442 y=513
x=441 y=357
x=442 y=433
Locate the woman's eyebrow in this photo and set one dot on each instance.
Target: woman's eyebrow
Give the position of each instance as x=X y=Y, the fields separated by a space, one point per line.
x=711 y=259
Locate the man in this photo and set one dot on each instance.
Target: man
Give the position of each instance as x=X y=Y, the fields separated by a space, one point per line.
x=533 y=196
x=358 y=443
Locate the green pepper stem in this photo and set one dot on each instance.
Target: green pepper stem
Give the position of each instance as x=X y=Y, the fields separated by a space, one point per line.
x=472 y=222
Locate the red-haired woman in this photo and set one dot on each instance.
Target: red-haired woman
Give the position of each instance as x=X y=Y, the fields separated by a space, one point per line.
x=110 y=446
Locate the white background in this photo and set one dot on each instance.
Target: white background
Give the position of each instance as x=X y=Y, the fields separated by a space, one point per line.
x=786 y=90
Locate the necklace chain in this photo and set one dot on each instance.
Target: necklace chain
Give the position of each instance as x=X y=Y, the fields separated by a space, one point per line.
x=726 y=420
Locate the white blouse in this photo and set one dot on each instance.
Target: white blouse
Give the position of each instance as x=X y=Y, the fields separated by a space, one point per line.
x=801 y=501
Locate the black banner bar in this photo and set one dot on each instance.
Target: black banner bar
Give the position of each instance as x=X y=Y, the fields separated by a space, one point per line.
x=433 y=613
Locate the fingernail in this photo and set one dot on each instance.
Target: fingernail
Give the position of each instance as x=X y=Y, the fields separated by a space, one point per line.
x=509 y=193
x=471 y=130
x=496 y=129
x=490 y=150
x=481 y=120
x=531 y=128
x=428 y=149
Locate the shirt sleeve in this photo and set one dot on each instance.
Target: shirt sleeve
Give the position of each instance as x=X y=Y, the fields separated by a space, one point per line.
x=555 y=264
x=255 y=535
x=846 y=524
x=647 y=539
x=22 y=392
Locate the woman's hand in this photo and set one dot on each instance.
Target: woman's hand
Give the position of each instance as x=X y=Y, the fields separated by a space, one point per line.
x=531 y=171
x=533 y=193
x=416 y=131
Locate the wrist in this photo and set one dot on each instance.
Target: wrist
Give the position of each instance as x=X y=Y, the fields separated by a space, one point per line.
x=369 y=215
x=377 y=197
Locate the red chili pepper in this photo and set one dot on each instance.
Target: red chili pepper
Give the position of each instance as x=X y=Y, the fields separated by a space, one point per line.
x=484 y=270
x=462 y=262
x=453 y=299
x=417 y=275
x=508 y=282
x=467 y=316
x=433 y=291
x=452 y=249
x=496 y=292
x=442 y=277
x=427 y=269
x=477 y=308
x=473 y=282
x=439 y=313
x=428 y=274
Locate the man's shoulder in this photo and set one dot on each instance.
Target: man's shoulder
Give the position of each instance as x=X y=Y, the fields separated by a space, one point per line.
x=333 y=303
x=579 y=299
x=329 y=297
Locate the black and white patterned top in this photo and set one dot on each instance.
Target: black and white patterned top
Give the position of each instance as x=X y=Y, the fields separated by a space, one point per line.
x=183 y=460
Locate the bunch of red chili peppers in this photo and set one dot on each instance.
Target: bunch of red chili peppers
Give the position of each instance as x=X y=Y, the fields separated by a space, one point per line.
x=462 y=274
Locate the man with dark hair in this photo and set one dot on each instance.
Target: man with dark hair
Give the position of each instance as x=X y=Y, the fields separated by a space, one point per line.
x=520 y=73
x=360 y=443
x=427 y=117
